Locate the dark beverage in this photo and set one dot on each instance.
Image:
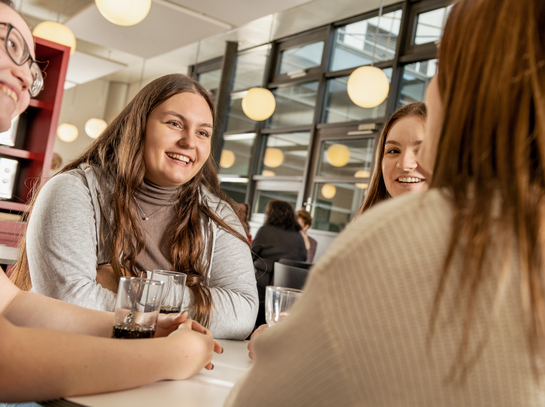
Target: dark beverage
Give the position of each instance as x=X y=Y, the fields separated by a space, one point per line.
x=165 y=309
x=132 y=331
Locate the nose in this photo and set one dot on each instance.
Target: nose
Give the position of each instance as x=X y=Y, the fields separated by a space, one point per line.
x=407 y=161
x=187 y=139
x=21 y=73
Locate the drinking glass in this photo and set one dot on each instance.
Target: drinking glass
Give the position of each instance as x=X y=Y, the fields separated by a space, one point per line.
x=173 y=291
x=137 y=308
x=278 y=300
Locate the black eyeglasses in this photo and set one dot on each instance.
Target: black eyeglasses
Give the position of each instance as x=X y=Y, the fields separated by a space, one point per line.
x=17 y=49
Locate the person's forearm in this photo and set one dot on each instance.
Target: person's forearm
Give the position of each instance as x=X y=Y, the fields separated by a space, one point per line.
x=34 y=310
x=41 y=364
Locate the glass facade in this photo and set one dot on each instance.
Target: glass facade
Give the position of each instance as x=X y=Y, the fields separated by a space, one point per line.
x=367 y=41
x=303 y=57
x=317 y=149
x=339 y=108
x=284 y=154
x=294 y=105
x=430 y=25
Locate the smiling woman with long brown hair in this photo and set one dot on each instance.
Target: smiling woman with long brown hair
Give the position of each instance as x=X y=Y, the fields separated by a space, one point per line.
x=437 y=298
x=145 y=196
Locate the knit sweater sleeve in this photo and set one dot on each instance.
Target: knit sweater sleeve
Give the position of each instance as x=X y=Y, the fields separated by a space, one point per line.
x=232 y=282
x=62 y=244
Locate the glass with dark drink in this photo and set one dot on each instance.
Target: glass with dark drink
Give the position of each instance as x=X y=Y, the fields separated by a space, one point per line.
x=137 y=308
x=173 y=290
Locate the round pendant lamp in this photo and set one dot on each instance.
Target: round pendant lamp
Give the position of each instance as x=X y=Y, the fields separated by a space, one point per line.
x=338 y=155
x=268 y=173
x=56 y=32
x=124 y=12
x=227 y=159
x=67 y=132
x=328 y=191
x=94 y=127
x=368 y=86
x=274 y=157
x=362 y=174
x=258 y=104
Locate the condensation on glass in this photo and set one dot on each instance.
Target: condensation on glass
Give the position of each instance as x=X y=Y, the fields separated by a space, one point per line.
x=339 y=108
x=430 y=25
x=265 y=196
x=355 y=42
x=250 y=68
x=346 y=158
x=415 y=80
x=301 y=57
x=294 y=105
x=335 y=204
x=236 y=154
x=284 y=154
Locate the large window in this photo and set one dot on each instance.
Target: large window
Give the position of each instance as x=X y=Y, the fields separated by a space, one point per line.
x=318 y=147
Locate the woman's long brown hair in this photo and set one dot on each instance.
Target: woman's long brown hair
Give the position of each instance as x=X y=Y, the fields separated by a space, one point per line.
x=490 y=159
x=377 y=191
x=118 y=154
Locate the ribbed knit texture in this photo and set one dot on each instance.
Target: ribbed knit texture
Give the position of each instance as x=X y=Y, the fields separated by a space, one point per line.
x=358 y=335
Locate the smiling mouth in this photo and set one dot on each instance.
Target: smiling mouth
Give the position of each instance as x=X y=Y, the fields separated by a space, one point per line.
x=410 y=180
x=9 y=92
x=180 y=158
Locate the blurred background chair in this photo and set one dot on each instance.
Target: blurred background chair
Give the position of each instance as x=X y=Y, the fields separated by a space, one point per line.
x=290 y=273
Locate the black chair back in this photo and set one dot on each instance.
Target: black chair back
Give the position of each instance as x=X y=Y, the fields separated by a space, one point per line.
x=289 y=276
x=295 y=263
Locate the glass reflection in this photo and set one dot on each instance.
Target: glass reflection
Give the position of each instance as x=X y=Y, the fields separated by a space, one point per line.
x=250 y=69
x=234 y=190
x=346 y=158
x=236 y=119
x=430 y=25
x=354 y=43
x=264 y=197
x=284 y=154
x=415 y=80
x=236 y=154
x=211 y=81
x=304 y=57
x=339 y=107
x=294 y=105
x=335 y=204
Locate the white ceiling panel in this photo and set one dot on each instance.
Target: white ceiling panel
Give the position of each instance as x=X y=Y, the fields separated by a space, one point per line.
x=239 y=12
x=161 y=31
x=84 y=68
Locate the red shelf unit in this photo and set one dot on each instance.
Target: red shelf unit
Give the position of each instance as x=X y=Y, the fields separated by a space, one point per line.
x=41 y=119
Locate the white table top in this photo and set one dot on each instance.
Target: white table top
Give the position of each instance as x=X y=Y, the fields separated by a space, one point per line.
x=206 y=389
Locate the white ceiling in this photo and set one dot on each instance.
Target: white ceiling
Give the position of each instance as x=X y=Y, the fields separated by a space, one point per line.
x=172 y=38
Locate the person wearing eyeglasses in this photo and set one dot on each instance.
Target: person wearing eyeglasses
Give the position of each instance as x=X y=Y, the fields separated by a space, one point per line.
x=49 y=348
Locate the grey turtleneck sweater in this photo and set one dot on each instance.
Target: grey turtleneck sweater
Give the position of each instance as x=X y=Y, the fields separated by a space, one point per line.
x=64 y=248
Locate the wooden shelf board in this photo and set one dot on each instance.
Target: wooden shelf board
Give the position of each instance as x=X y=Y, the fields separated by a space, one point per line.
x=14 y=152
x=13 y=206
x=41 y=105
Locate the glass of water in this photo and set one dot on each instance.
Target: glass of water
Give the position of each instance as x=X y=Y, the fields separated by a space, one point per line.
x=278 y=301
x=173 y=291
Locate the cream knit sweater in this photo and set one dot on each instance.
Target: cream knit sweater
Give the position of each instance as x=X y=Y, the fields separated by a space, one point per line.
x=358 y=335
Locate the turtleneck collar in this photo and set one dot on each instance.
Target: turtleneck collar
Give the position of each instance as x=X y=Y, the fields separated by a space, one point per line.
x=156 y=195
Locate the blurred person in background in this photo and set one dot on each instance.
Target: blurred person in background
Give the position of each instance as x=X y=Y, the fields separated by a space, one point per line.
x=305 y=221
x=278 y=238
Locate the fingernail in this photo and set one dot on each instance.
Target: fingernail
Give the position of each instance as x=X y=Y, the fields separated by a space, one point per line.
x=205 y=331
x=222 y=350
x=212 y=368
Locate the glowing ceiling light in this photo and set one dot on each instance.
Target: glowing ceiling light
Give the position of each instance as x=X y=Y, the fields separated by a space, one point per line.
x=56 y=32
x=328 y=191
x=368 y=86
x=67 y=132
x=227 y=159
x=258 y=104
x=274 y=157
x=94 y=127
x=338 y=155
x=124 y=12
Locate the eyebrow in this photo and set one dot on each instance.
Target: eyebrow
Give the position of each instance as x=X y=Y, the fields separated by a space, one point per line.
x=182 y=118
x=416 y=143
